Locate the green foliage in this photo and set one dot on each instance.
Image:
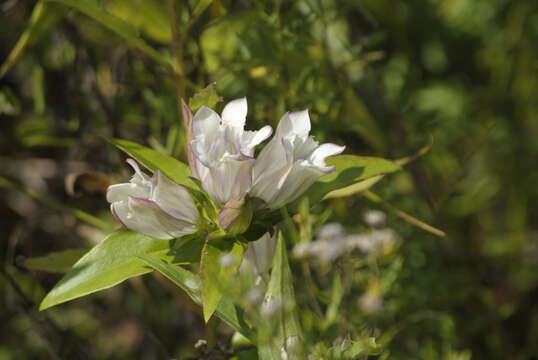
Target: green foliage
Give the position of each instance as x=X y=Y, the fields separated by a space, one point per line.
x=351 y=175
x=377 y=76
x=207 y=96
x=117 y=25
x=285 y=335
x=218 y=264
x=191 y=284
x=153 y=160
x=114 y=260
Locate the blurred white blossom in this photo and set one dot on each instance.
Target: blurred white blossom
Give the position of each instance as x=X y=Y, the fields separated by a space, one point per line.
x=375 y=218
x=154 y=206
x=332 y=242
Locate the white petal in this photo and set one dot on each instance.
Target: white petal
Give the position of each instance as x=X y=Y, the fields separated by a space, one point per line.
x=325 y=150
x=122 y=210
x=139 y=177
x=205 y=121
x=174 y=199
x=252 y=138
x=235 y=113
x=200 y=151
x=267 y=185
x=299 y=179
x=146 y=217
x=229 y=179
x=119 y=192
x=294 y=123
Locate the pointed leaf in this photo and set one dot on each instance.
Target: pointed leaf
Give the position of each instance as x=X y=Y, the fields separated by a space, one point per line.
x=114 y=260
x=56 y=262
x=174 y=169
x=190 y=283
x=350 y=171
x=280 y=294
x=215 y=270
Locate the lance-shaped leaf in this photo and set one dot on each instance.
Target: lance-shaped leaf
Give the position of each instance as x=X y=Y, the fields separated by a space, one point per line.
x=352 y=173
x=153 y=160
x=114 y=260
x=190 y=283
x=219 y=263
x=279 y=305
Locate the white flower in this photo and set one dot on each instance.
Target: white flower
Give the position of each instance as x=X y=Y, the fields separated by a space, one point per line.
x=154 y=206
x=224 y=151
x=290 y=162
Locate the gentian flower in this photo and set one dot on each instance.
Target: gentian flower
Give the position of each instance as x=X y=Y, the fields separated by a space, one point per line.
x=290 y=162
x=154 y=206
x=223 y=151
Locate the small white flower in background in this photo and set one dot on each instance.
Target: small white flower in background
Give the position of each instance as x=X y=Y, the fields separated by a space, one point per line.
x=290 y=162
x=375 y=218
x=332 y=242
x=378 y=241
x=154 y=206
x=224 y=151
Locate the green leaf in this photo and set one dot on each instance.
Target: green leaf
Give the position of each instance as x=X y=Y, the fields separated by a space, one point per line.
x=43 y=17
x=56 y=262
x=114 y=260
x=207 y=96
x=353 y=173
x=280 y=291
x=174 y=169
x=200 y=7
x=216 y=271
x=190 y=283
x=117 y=25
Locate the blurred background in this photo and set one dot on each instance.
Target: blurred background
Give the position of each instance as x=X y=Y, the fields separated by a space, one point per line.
x=382 y=77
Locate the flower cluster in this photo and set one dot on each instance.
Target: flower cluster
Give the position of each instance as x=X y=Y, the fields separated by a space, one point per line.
x=222 y=158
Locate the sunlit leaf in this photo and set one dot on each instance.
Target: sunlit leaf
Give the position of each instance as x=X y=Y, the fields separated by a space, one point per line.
x=114 y=260
x=215 y=271
x=153 y=160
x=353 y=174
x=280 y=295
